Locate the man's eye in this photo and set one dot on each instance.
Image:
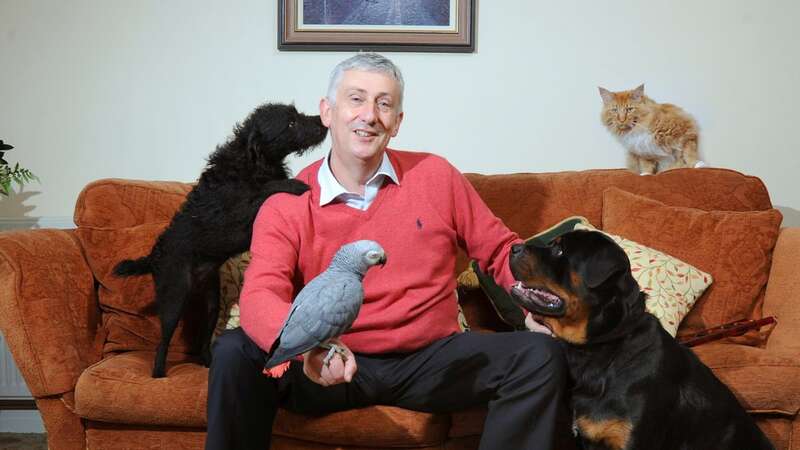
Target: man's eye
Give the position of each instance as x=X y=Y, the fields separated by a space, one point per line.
x=355 y=99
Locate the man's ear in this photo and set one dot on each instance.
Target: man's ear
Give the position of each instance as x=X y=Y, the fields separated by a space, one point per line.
x=397 y=124
x=325 y=111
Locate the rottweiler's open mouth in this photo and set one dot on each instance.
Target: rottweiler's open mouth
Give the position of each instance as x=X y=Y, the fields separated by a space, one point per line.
x=538 y=300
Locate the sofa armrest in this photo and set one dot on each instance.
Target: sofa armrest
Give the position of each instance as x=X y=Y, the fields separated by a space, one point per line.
x=48 y=308
x=782 y=298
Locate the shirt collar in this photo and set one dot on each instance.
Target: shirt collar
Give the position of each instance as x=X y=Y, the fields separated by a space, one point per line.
x=330 y=189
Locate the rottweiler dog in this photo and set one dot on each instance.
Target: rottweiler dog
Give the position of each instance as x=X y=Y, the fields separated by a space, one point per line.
x=635 y=387
x=216 y=220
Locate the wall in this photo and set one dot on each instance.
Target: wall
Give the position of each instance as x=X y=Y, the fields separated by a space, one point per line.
x=146 y=89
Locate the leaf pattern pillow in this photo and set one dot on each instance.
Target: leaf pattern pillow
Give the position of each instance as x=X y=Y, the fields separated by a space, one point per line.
x=231 y=277
x=672 y=286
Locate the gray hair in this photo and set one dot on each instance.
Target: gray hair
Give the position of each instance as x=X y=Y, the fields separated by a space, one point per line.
x=367 y=62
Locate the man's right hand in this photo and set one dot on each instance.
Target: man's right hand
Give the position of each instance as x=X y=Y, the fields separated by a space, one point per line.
x=338 y=370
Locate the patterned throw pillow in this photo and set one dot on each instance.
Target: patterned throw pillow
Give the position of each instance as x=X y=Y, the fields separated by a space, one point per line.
x=231 y=277
x=672 y=286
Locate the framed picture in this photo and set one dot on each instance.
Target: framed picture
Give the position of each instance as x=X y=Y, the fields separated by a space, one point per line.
x=377 y=25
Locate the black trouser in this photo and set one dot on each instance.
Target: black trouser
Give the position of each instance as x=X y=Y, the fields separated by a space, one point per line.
x=521 y=376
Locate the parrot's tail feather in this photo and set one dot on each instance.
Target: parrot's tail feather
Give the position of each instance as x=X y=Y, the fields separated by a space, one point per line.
x=277 y=371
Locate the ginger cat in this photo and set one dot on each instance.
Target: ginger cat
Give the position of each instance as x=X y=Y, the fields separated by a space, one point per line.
x=657 y=136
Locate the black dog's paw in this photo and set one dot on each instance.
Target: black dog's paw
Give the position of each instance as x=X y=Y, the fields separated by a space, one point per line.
x=206 y=357
x=159 y=371
x=291 y=186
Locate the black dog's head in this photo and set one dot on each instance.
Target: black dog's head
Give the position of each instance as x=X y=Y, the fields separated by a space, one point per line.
x=261 y=143
x=273 y=131
x=580 y=286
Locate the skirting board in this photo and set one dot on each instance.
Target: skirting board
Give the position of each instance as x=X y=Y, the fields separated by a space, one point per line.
x=21 y=422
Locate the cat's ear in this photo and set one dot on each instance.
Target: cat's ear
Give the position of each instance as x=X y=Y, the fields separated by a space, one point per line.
x=608 y=96
x=638 y=93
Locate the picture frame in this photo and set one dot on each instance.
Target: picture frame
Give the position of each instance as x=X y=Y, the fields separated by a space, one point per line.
x=444 y=26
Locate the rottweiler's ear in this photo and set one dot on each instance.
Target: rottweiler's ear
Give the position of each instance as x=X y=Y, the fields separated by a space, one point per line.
x=600 y=270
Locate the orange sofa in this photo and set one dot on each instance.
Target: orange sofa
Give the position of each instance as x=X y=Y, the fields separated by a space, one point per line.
x=84 y=339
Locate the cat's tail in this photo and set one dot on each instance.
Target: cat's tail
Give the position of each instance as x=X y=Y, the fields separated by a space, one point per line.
x=131 y=267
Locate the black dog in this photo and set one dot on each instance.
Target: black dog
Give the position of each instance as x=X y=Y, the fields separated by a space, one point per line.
x=635 y=387
x=216 y=220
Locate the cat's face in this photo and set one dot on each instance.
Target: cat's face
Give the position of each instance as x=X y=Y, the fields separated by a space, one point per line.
x=622 y=110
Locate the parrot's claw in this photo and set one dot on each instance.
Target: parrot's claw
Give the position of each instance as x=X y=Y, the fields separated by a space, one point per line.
x=332 y=350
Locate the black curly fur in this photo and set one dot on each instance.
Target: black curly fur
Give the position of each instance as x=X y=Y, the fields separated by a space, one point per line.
x=216 y=220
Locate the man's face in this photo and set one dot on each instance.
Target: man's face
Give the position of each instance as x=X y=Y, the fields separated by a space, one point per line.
x=366 y=114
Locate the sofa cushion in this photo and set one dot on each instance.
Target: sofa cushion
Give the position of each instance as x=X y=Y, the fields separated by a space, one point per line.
x=735 y=247
x=763 y=380
x=119 y=389
x=121 y=219
x=129 y=311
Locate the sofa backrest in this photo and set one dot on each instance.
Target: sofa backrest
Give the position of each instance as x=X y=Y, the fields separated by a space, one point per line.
x=531 y=202
x=119 y=219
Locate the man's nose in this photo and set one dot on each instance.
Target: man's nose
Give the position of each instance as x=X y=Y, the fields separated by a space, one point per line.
x=367 y=112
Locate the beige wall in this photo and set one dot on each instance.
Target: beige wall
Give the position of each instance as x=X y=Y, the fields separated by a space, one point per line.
x=147 y=88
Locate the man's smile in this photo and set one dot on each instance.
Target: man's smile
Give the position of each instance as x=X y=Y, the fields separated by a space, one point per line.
x=365 y=133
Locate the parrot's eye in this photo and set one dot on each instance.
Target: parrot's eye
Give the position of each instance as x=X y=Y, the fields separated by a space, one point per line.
x=375 y=257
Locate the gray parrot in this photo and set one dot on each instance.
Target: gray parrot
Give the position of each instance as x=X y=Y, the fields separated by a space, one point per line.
x=328 y=305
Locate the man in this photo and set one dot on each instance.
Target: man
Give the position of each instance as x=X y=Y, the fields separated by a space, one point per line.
x=404 y=348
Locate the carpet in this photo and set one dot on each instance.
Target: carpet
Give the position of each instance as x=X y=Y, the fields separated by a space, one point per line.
x=23 y=441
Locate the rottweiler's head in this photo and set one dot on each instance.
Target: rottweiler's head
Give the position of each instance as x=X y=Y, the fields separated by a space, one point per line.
x=579 y=285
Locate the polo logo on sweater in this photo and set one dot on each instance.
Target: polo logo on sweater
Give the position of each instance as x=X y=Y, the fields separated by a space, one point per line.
x=419 y=224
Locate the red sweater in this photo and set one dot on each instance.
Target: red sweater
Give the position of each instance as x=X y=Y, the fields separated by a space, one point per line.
x=408 y=303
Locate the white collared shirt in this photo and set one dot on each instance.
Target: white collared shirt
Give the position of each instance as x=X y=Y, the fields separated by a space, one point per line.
x=331 y=190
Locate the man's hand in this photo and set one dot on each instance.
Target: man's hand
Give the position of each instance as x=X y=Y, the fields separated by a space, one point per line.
x=338 y=370
x=535 y=326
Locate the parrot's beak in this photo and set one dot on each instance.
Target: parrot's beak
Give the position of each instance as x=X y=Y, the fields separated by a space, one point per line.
x=382 y=261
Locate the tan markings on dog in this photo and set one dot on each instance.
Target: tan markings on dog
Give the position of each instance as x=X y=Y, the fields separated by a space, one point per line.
x=614 y=433
x=572 y=326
